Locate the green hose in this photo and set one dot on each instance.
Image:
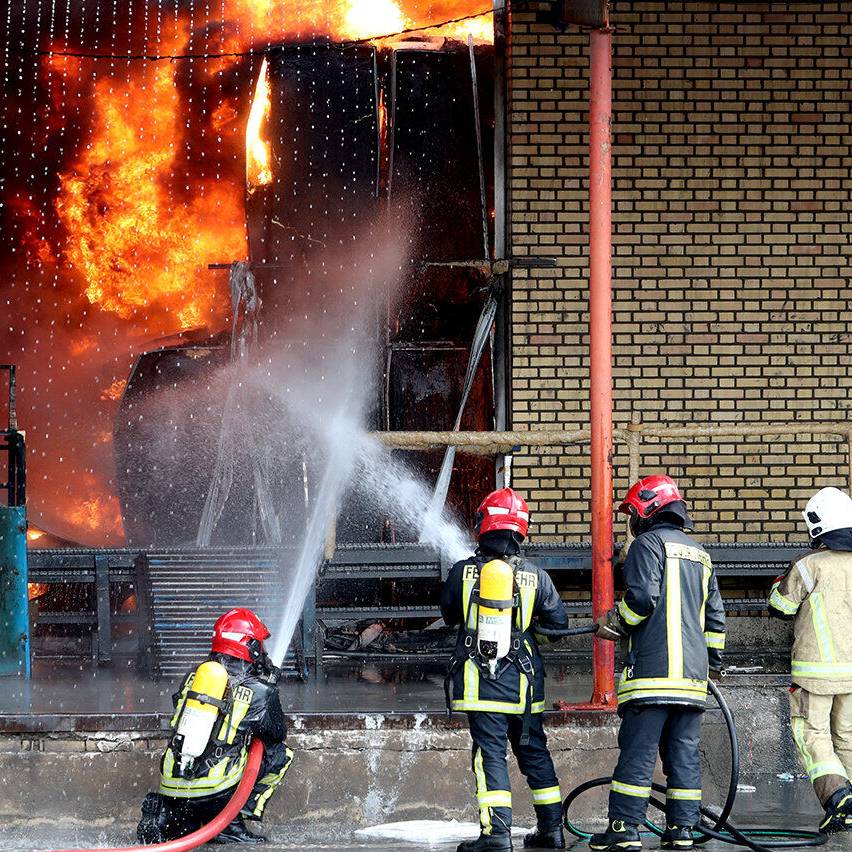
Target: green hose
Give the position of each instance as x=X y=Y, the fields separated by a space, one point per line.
x=718 y=826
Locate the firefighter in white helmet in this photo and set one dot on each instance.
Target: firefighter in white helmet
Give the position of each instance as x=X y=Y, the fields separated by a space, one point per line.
x=816 y=591
x=497 y=675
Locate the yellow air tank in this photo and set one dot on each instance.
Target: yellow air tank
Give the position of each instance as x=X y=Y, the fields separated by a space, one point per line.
x=496 y=599
x=198 y=717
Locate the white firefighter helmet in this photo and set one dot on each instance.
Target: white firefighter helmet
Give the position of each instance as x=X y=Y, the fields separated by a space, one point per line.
x=828 y=510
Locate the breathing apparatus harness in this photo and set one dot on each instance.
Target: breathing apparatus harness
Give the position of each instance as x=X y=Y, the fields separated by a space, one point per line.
x=496 y=643
x=208 y=700
x=208 y=703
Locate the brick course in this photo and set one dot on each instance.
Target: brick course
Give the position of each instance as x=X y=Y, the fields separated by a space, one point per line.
x=732 y=251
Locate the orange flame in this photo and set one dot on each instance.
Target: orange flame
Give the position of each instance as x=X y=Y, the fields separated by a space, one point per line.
x=258 y=150
x=371 y=18
x=383 y=118
x=139 y=228
x=115 y=390
x=36 y=590
x=97 y=514
x=357 y=19
x=481 y=28
x=142 y=253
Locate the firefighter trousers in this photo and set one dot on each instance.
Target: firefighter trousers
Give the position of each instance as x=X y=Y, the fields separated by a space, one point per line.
x=491 y=734
x=675 y=733
x=822 y=731
x=166 y=818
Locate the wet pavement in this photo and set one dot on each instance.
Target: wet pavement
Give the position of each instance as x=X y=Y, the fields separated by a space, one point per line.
x=74 y=688
x=59 y=687
x=42 y=838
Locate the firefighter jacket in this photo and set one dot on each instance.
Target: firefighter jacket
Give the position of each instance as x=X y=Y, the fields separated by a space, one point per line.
x=675 y=619
x=255 y=712
x=817 y=590
x=519 y=683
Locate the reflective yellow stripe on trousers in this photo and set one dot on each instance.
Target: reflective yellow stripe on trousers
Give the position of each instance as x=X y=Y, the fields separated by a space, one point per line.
x=547 y=796
x=271 y=781
x=486 y=798
x=630 y=789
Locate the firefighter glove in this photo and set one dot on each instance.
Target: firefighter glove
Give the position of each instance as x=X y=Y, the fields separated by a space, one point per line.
x=610 y=626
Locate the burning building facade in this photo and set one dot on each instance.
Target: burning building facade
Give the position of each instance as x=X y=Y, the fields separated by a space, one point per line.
x=345 y=143
x=139 y=178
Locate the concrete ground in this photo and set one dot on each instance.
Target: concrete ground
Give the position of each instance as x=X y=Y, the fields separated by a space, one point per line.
x=42 y=839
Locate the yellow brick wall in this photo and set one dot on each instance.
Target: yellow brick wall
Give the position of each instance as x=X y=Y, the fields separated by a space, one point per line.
x=732 y=266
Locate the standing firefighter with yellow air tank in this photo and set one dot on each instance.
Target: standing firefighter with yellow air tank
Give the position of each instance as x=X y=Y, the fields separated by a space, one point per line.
x=816 y=591
x=220 y=706
x=497 y=675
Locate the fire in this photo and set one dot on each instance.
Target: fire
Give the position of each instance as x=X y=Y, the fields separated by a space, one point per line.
x=224 y=114
x=142 y=252
x=258 y=150
x=481 y=28
x=115 y=390
x=383 y=118
x=370 y=18
x=36 y=590
x=150 y=193
x=97 y=514
x=357 y=19
x=81 y=344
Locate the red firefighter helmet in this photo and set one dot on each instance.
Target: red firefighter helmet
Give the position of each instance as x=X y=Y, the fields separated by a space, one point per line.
x=504 y=509
x=649 y=495
x=239 y=633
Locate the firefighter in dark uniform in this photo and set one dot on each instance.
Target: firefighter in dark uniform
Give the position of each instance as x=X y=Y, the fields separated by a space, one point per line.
x=188 y=800
x=504 y=697
x=673 y=615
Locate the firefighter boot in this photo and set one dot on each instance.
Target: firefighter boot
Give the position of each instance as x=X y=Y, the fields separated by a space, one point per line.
x=545 y=838
x=151 y=828
x=487 y=843
x=237 y=832
x=619 y=837
x=677 y=837
x=838 y=812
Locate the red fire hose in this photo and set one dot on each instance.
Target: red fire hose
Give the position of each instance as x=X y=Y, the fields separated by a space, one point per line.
x=209 y=831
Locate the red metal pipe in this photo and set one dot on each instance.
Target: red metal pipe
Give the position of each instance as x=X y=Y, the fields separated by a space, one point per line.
x=215 y=826
x=600 y=350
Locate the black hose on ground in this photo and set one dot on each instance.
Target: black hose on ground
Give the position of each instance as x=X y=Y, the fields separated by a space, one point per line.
x=717 y=825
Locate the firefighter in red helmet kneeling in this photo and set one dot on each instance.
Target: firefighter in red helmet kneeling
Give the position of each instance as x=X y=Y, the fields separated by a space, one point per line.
x=673 y=613
x=229 y=699
x=497 y=676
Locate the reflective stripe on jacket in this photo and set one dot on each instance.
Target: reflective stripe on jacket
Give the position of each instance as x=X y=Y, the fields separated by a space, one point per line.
x=255 y=711
x=675 y=617
x=817 y=590
x=538 y=599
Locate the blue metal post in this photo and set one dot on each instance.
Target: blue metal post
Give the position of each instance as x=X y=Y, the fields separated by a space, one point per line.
x=14 y=603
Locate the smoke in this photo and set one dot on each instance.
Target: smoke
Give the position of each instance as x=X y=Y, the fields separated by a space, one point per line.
x=309 y=398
